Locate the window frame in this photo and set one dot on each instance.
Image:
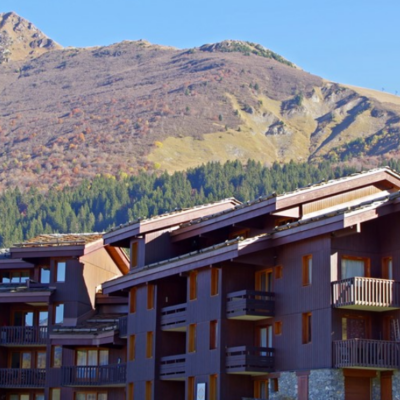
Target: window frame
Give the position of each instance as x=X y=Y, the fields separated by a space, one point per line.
x=307 y=270
x=149 y=344
x=278 y=325
x=213 y=335
x=55 y=305
x=132 y=348
x=57 y=269
x=214 y=284
x=387 y=268
x=150 y=296
x=193 y=285
x=53 y=356
x=306 y=327
x=192 y=338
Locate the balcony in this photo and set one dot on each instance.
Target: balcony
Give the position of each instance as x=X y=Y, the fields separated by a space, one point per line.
x=364 y=354
x=123 y=327
x=173 y=318
x=173 y=367
x=90 y=376
x=15 y=378
x=23 y=336
x=369 y=294
x=250 y=305
x=249 y=360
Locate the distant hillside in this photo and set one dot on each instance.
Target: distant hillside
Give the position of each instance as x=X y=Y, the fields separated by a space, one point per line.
x=70 y=114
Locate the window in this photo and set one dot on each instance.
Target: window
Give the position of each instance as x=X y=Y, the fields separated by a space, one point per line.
x=131 y=391
x=190 y=388
x=132 y=300
x=149 y=388
x=150 y=297
x=59 y=314
x=193 y=285
x=264 y=280
x=192 y=338
x=149 y=345
x=45 y=275
x=134 y=254
x=43 y=318
x=90 y=396
x=15 y=277
x=213 y=334
x=132 y=347
x=278 y=327
x=87 y=357
x=261 y=389
x=19 y=397
x=21 y=359
x=214 y=281
x=306 y=327
x=387 y=268
x=57 y=356
x=55 y=394
x=23 y=318
x=213 y=387
x=61 y=270
x=307 y=270
x=274 y=385
x=355 y=266
x=41 y=360
x=278 y=272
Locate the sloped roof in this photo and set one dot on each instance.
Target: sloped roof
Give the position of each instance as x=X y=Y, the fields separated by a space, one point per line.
x=61 y=239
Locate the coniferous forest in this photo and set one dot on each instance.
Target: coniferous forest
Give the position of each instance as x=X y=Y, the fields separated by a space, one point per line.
x=105 y=202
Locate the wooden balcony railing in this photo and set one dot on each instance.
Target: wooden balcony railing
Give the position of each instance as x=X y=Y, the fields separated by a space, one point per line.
x=101 y=375
x=249 y=359
x=123 y=327
x=173 y=367
x=23 y=335
x=250 y=304
x=366 y=293
x=364 y=353
x=173 y=317
x=22 y=378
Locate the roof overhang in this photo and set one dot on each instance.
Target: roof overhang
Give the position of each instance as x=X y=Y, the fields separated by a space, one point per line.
x=121 y=236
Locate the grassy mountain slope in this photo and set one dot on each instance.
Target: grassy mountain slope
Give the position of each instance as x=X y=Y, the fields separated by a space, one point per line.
x=70 y=114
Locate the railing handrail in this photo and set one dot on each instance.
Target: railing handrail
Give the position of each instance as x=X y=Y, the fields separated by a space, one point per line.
x=176 y=358
x=178 y=307
x=250 y=293
x=366 y=291
x=22 y=377
x=366 y=353
x=249 y=349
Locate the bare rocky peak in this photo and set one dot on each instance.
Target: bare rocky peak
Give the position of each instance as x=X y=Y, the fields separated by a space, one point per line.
x=20 y=39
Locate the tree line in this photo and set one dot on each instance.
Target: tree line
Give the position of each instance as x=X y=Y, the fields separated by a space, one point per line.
x=105 y=202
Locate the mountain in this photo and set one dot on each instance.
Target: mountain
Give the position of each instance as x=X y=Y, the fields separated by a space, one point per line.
x=74 y=113
x=20 y=39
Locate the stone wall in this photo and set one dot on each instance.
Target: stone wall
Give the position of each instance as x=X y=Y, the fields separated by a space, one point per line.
x=323 y=384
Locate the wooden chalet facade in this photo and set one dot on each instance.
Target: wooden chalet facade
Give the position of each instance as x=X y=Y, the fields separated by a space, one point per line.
x=59 y=336
x=295 y=296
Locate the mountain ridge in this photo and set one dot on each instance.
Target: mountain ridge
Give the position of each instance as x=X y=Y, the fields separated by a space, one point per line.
x=73 y=113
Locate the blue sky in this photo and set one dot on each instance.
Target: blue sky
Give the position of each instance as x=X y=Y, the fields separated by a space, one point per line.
x=348 y=41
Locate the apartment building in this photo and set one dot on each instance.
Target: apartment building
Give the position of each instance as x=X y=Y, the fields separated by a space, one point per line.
x=59 y=336
x=294 y=296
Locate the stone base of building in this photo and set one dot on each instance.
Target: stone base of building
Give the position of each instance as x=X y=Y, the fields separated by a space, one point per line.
x=329 y=384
